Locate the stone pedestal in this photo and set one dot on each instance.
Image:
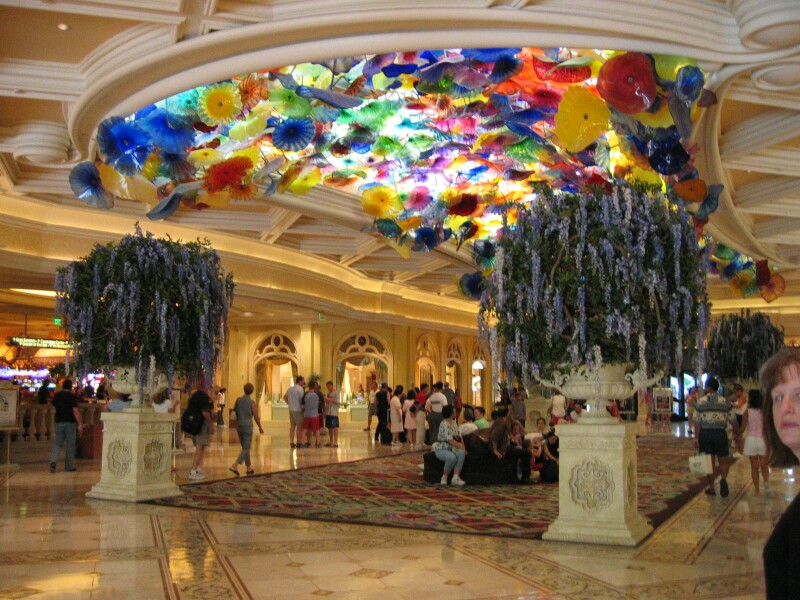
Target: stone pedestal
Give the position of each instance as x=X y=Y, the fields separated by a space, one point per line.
x=598 y=496
x=137 y=456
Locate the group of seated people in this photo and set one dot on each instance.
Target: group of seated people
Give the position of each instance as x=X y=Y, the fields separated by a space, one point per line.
x=493 y=452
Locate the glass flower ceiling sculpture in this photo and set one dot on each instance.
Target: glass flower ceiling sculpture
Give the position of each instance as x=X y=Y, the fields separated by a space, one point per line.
x=439 y=145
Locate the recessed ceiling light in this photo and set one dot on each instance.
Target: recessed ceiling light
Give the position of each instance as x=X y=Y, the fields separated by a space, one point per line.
x=63 y=27
x=247 y=313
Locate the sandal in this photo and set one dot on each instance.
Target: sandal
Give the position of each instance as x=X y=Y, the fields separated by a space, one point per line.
x=251 y=472
x=234 y=471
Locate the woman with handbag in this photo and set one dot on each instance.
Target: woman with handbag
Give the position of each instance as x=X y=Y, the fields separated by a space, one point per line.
x=246 y=412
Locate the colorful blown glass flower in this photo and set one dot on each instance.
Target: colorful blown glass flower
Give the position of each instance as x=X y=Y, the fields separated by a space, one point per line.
x=124 y=145
x=219 y=104
x=227 y=174
x=293 y=135
x=84 y=179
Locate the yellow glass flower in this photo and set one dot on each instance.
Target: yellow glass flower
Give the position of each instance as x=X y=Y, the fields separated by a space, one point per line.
x=150 y=169
x=219 y=103
x=306 y=181
x=381 y=202
x=204 y=157
x=582 y=117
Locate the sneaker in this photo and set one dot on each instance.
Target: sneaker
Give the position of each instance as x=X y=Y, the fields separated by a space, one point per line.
x=457 y=481
x=196 y=475
x=723 y=488
x=52 y=467
x=444 y=480
x=736 y=455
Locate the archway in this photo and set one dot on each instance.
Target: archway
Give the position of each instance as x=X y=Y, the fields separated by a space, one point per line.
x=454 y=367
x=360 y=359
x=427 y=361
x=275 y=362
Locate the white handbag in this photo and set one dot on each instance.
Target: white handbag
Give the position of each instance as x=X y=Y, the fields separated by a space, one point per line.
x=700 y=464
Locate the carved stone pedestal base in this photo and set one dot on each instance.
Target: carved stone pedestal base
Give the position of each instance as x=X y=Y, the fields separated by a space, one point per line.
x=137 y=457
x=598 y=497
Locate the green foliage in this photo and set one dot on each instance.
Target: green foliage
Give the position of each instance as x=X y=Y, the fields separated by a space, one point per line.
x=611 y=277
x=740 y=344
x=146 y=301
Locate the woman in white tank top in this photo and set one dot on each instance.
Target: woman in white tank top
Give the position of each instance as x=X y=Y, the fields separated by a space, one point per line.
x=754 y=447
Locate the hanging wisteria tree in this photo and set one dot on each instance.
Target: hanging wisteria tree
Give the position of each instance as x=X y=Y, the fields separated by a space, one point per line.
x=739 y=344
x=610 y=275
x=148 y=303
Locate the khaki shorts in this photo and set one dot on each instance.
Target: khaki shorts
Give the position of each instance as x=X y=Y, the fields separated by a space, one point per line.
x=296 y=418
x=202 y=438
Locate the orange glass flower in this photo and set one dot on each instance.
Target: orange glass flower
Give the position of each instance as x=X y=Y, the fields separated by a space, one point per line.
x=227 y=174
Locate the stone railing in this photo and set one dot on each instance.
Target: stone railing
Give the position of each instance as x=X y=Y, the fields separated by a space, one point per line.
x=37 y=421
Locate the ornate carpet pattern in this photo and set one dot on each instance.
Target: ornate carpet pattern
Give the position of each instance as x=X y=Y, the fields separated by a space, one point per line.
x=389 y=491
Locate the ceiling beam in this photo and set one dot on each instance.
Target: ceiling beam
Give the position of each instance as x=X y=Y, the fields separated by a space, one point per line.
x=781 y=160
x=427 y=267
x=366 y=247
x=766 y=191
x=282 y=219
x=767 y=129
x=779 y=230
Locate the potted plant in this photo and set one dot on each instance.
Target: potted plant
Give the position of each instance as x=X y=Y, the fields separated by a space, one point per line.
x=601 y=277
x=146 y=304
x=740 y=343
x=608 y=276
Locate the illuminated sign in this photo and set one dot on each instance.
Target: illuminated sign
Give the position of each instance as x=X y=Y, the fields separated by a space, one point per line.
x=26 y=342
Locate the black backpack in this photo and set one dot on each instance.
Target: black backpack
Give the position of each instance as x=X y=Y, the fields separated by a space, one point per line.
x=192 y=421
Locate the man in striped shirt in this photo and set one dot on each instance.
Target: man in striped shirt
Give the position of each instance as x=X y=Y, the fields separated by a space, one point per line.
x=712 y=415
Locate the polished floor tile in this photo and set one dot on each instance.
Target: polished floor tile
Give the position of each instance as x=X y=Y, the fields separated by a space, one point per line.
x=58 y=544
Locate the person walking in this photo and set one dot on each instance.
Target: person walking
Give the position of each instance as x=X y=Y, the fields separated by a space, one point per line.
x=712 y=416
x=68 y=424
x=246 y=413
x=754 y=447
x=372 y=404
x=200 y=402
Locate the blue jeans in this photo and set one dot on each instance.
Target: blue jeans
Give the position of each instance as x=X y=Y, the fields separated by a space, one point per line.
x=451 y=458
x=246 y=438
x=65 y=432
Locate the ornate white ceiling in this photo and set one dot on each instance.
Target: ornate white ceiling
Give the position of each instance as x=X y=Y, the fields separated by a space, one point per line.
x=296 y=257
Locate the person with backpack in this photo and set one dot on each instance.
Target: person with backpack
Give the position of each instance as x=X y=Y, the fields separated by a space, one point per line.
x=196 y=421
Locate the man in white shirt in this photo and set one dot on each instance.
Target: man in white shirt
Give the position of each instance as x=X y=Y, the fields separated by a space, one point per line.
x=433 y=408
x=294 y=399
x=468 y=426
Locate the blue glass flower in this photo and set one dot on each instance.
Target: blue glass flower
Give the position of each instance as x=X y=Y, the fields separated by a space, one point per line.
x=175 y=166
x=472 y=285
x=167 y=135
x=84 y=179
x=293 y=134
x=489 y=55
x=124 y=145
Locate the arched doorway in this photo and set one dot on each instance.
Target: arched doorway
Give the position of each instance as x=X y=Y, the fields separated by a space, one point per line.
x=478 y=376
x=453 y=367
x=425 y=366
x=360 y=359
x=275 y=362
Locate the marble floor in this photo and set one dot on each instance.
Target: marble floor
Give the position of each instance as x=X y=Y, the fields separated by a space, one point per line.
x=58 y=544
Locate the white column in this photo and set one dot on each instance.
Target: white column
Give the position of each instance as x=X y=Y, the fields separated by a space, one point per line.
x=598 y=496
x=137 y=457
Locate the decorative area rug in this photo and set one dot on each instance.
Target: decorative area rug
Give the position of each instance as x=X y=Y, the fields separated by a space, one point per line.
x=389 y=491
